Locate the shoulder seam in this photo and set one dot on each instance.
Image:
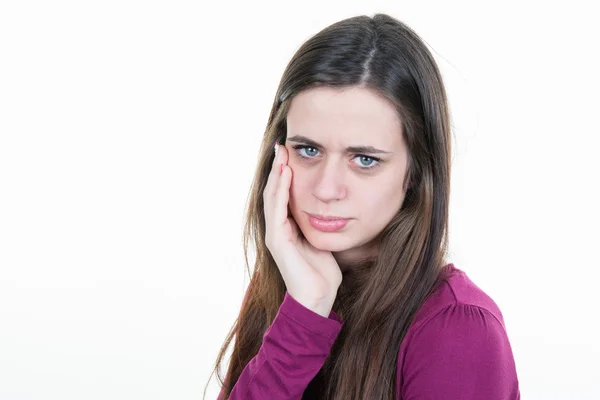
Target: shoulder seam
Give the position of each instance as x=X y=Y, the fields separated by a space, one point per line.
x=455 y=304
x=452 y=290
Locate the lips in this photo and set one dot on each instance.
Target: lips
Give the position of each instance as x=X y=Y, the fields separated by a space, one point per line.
x=327 y=218
x=327 y=223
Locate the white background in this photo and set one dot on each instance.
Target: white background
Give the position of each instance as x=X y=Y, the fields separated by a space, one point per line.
x=128 y=140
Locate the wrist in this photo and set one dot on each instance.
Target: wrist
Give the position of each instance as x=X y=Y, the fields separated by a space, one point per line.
x=320 y=306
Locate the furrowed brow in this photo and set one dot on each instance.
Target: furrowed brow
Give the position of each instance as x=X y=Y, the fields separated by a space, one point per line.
x=350 y=149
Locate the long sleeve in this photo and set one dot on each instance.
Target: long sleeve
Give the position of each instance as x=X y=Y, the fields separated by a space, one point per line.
x=293 y=350
x=463 y=352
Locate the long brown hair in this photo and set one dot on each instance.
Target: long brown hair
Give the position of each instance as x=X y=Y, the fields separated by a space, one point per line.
x=378 y=298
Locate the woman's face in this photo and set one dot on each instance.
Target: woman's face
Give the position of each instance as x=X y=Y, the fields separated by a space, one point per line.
x=329 y=179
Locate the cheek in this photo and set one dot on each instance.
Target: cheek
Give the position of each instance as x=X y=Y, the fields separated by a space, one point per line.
x=300 y=180
x=371 y=206
x=300 y=186
x=376 y=204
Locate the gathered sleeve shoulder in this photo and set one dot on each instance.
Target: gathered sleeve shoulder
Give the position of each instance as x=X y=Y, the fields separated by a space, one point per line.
x=461 y=352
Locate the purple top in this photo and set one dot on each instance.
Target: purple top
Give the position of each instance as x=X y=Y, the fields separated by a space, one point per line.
x=456 y=348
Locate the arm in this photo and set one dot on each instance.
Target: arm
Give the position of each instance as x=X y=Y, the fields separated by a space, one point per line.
x=461 y=353
x=293 y=351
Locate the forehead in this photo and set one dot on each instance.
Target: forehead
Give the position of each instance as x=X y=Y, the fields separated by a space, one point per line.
x=348 y=114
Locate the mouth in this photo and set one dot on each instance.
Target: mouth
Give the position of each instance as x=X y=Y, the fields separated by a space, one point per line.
x=326 y=223
x=327 y=217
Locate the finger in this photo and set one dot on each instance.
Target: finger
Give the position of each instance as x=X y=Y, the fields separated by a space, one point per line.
x=295 y=230
x=273 y=178
x=283 y=154
x=270 y=189
x=275 y=175
x=282 y=195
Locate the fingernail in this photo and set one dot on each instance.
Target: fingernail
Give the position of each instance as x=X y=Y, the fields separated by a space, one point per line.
x=276 y=147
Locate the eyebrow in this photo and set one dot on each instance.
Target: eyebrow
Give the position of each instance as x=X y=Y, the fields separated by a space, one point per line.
x=350 y=149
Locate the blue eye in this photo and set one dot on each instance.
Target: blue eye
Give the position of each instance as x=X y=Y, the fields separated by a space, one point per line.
x=312 y=152
x=362 y=158
x=305 y=148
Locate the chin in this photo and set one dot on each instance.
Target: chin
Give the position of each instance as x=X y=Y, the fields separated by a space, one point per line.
x=334 y=242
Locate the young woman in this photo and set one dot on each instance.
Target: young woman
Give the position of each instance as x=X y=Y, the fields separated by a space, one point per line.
x=351 y=296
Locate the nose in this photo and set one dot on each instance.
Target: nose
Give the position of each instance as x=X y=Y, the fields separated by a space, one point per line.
x=330 y=182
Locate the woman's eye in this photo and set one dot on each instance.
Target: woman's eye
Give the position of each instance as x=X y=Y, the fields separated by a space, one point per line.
x=310 y=151
x=364 y=162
